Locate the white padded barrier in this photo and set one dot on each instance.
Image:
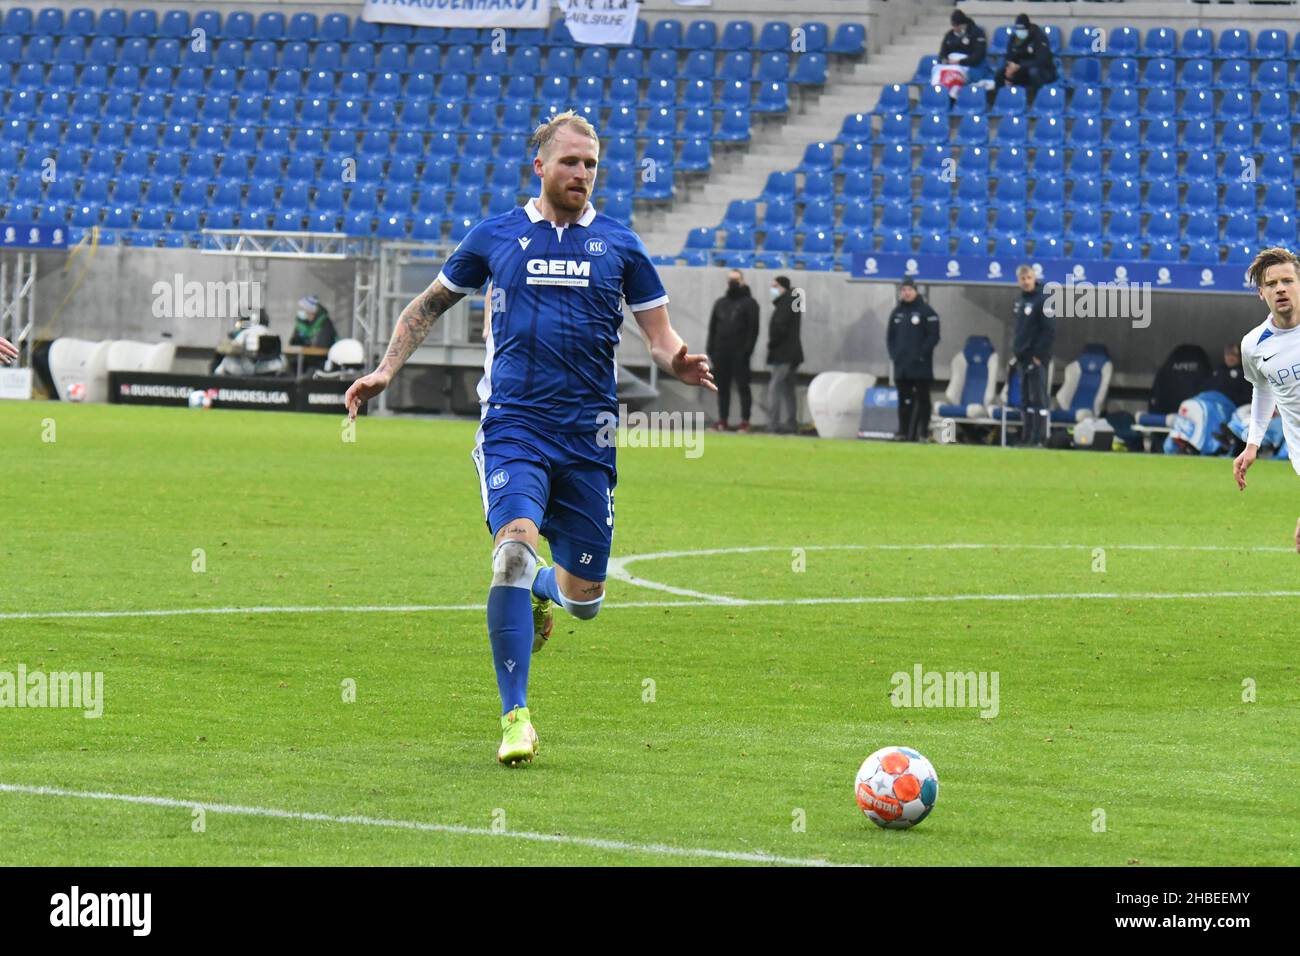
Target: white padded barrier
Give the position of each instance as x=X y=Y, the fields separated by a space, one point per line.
x=835 y=402
x=80 y=362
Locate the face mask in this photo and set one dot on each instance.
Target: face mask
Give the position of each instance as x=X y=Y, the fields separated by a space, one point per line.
x=301 y=316
x=776 y=293
x=1021 y=33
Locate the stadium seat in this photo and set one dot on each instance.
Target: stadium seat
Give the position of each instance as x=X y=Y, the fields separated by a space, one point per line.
x=849 y=40
x=972 y=381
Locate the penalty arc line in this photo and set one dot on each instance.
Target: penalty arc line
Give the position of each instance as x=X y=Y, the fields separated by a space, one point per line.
x=596 y=843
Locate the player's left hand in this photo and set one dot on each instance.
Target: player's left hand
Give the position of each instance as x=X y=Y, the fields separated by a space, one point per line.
x=1297 y=536
x=7 y=351
x=693 y=369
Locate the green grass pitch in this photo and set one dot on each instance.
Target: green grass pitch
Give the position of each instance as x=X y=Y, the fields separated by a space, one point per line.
x=674 y=728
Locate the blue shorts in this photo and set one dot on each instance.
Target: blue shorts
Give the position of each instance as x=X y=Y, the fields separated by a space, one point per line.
x=562 y=482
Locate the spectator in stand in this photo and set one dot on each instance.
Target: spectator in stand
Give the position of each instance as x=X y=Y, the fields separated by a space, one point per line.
x=913 y=334
x=1229 y=378
x=312 y=325
x=1029 y=61
x=247 y=357
x=7 y=351
x=733 y=330
x=966 y=45
x=784 y=355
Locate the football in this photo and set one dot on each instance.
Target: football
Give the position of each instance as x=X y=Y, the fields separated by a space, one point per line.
x=896 y=788
x=200 y=399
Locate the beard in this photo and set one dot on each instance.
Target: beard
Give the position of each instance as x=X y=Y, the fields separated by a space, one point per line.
x=562 y=198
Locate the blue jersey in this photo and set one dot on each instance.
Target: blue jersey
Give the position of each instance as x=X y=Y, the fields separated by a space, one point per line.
x=557 y=307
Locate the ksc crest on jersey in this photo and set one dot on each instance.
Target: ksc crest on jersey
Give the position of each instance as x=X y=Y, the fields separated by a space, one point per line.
x=595 y=247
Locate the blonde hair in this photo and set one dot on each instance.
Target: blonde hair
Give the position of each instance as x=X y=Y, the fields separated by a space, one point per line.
x=544 y=133
x=1025 y=270
x=1275 y=256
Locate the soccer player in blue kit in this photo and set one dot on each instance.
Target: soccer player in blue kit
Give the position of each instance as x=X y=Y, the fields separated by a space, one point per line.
x=560 y=272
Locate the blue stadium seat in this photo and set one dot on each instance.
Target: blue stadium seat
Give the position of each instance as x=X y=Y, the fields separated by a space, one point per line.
x=779 y=215
x=934 y=99
x=1233 y=44
x=1202 y=252
x=1280 y=197
x=849 y=40
x=1276 y=137
x=1012 y=190
x=1197 y=167
x=1197 y=105
x=1197 y=74
x=1085 y=71
x=1085 y=193
x=1086 y=101
x=1086 y=40
x=1160 y=42
x=1122 y=72
x=770 y=98
x=1234 y=75
x=924 y=68
x=1049 y=102
x=1277 y=168
x=1010 y=102
x=737 y=35
x=666 y=34
x=700 y=35
x=1201 y=227
x=1201 y=197
x=1011 y=161
x=1122 y=104
x=1125 y=194
x=1196 y=43
x=972 y=131
x=1272 y=77
x=893 y=99
x=734 y=126
x=1241 y=229
x=1012 y=131
x=932 y=130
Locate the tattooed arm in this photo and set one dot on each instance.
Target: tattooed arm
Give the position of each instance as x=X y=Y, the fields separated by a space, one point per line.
x=412 y=326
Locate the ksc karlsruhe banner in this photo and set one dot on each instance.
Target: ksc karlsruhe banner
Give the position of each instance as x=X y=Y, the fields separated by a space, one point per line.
x=460 y=13
x=1168 y=276
x=600 y=22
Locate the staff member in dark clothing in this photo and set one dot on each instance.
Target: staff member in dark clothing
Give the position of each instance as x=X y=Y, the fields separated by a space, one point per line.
x=733 y=330
x=1032 y=347
x=784 y=355
x=913 y=334
x=1029 y=60
x=968 y=39
x=1229 y=379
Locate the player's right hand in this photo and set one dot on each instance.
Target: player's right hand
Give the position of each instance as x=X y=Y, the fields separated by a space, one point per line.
x=7 y=351
x=362 y=391
x=1241 y=463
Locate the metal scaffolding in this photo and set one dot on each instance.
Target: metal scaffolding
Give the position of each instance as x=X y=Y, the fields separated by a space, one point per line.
x=253 y=247
x=18 y=300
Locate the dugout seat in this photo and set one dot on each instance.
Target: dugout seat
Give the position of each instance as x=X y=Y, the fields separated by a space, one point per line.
x=972 y=381
x=1084 y=386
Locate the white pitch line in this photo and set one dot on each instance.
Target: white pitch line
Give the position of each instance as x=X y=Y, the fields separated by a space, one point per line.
x=731 y=602
x=618 y=571
x=618 y=846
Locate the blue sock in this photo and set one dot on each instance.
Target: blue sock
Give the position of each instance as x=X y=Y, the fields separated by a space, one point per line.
x=544 y=585
x=510 y=629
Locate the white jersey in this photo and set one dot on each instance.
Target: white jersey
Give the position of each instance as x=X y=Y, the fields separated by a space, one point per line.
x=1270 y=358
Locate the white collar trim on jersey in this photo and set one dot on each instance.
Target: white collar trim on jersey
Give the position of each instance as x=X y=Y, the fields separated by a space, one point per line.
x=535 y=214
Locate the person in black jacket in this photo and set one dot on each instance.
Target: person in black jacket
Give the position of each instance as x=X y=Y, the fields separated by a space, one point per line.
x=913 y=334
x=1029 y=61
x=1229 y=379
x=968 y=39
x=784 y=354
x=733 y=330
x=1032 y=347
